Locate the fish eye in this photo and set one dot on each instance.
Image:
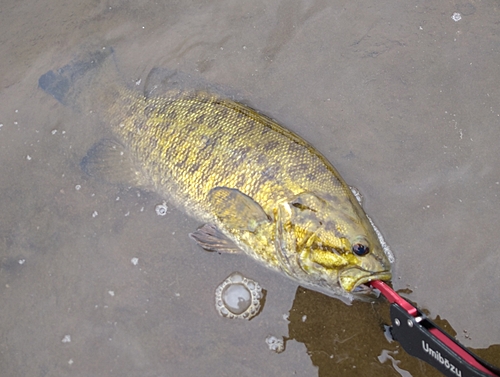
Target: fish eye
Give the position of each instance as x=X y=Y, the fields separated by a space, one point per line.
x=360 y=249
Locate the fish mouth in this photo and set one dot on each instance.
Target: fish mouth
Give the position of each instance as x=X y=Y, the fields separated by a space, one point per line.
x=352 y=278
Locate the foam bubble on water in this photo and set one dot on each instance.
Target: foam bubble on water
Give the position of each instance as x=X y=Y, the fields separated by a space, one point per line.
x=238 y=297
x=385 y=247
x=66 y=339
x=161 y=209
x=275 y=344
x=387 y=250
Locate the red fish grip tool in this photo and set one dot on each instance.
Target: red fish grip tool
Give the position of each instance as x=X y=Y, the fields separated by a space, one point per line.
x=421 y=338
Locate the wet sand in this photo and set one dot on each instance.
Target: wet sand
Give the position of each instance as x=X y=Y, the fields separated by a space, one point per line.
x=401 y=98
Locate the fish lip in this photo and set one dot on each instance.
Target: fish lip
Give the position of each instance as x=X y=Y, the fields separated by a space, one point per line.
x=366 y=277
x=384 y=276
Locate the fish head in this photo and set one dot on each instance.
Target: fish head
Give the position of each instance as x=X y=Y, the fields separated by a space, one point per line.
x=329 y=244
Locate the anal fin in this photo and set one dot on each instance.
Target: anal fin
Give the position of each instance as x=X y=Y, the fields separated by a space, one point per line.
x=109 y=161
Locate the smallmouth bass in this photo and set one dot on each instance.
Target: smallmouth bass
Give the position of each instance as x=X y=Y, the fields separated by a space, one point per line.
x=258 y=187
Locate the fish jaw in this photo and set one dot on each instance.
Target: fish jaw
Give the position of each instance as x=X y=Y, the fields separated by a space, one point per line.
x=352 y=277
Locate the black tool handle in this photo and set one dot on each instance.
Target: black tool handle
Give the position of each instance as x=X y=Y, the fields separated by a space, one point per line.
x=416 y=336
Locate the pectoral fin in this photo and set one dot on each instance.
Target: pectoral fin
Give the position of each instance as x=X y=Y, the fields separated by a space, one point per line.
x=212 y=239
x=235 y=209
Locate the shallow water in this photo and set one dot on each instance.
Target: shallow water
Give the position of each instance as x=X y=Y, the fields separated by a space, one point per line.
x=399 y=96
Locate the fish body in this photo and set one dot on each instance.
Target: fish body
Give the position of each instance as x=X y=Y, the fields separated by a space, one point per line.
x=258 y=187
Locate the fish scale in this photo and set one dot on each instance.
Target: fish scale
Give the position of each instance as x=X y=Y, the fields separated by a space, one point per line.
x=237 y=137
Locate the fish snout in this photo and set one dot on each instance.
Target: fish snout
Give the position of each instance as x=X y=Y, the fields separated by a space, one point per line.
x=372 y=269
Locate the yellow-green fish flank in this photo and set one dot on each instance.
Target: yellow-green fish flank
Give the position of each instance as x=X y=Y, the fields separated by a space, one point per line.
x=258 y=187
